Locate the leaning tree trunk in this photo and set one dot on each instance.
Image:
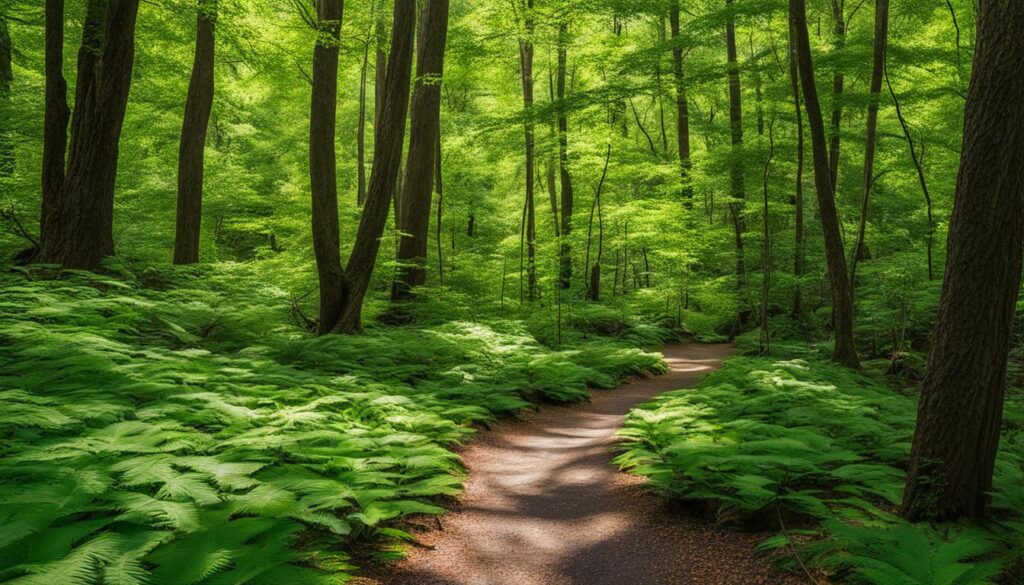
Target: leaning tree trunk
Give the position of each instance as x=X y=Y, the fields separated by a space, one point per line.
x=842 y=301
x=877 y=68
x=323 y=163
x=387 y=158
x=83 y=230
x=959 y=415
x=526 y=66
x=424 y=131
x=737 y=188
x=55 y=121
x=193 y=139
x=682 y=109
x=798 y=187
x=565 y=272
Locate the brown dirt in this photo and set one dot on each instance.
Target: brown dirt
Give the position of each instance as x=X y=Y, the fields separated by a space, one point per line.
x=545 y=506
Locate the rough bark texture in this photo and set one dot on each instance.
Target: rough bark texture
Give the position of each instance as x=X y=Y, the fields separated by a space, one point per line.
x=736 y=183
x=798 y=187
x=565 y=179
x=55 y=120
x=323 y=165
x=425 y=127
x=960 y=411
x=877 y=68
x=682 y=109
x=842 y=302
x=193 y=138
x=82 y=231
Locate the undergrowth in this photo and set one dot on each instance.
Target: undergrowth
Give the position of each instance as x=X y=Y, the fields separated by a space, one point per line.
x=819 y=453
x=175 y=428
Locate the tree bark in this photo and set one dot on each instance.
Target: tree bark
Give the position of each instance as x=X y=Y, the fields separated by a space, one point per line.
x=682 y=109
x=844 y=352
x=55 y=121
x=361 y=129
x=565 y=179
x=81 y=232
x=526 y=66
x=6 y=78
x=838 y=81
x=798 y=187
x=193 y=138
x=877 y=68
x=425 y=127
x=960 y=411
x=736 y=182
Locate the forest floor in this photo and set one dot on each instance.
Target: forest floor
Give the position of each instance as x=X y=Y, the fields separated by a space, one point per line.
x=545 y=506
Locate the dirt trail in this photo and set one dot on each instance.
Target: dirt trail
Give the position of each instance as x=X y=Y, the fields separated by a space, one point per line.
x=544 y=506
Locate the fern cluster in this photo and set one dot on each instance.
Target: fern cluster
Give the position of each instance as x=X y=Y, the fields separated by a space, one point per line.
x=172 y=429
x=818 y=445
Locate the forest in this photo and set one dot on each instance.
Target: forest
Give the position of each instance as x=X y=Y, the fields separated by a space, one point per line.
x=511 y=292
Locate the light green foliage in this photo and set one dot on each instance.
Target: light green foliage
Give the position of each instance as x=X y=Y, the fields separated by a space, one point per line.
x=164 y=428
x=803 y=439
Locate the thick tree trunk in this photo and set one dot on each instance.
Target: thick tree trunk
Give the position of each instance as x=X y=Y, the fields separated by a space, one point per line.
x=877 y=68
x=736 y=182
x=323 y=163
x=425 y=127
x=565 y=272
x=838 y=81
x=682 y=109
x=526 y=66
x=798 y=187
x=960 y=411
x=842 y=302
x=193 y=138
x=82 y=232
x=387 y=159
x=55 y=121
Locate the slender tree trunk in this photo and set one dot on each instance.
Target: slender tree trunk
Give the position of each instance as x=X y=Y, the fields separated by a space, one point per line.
x=55 y=122
x=959 y=416
x=593 y=288
x=425 y=128
x=193 y=138
x=83 y=231
x=737 y=188
x=526 y=66
x=439 y=187
x=877 y=68
x=838 y=82
x=766 y=280
x=6 y=78
x=842 y=302
x=361 y=129
x=568 y=196
x=798 y=187
x=323 y=163
x=682 y=109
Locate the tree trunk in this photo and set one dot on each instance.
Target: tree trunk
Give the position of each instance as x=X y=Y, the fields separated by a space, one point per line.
x=842 y=303
x=361 y=129
x=526 y=66
x=737 y=188
x=193 y=138
x=838 y=81
x=425 y=127
x=55 y=121
x=959 y=415
x=6 y=77
x=593 y=288
x=565 y=272
x=798 y=193
x=877 y=68
x=82 y=233
x=387 y=159
x=682 y=109
x=323 y=163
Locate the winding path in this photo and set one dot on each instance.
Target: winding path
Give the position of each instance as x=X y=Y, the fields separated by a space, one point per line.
x=544 y=506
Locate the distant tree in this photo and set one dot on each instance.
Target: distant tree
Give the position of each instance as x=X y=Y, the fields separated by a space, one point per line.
x=565 y=179
x=682 y=108
x=737 y=190
x=193 y=138
x=959 y=416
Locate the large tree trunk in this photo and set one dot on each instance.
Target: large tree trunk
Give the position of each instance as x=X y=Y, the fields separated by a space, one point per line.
x=736 y=183
x=83 y=232
x=682 y=109
x=55 y=121
x=526 y=66
x=425 y=127
x=565 y=272
x=798 y=186
x=387 y=159
x=877 y=68
x=838 y=81
x=842 y=302
x=193 y=139
x=959 y=415
x=322 y=162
